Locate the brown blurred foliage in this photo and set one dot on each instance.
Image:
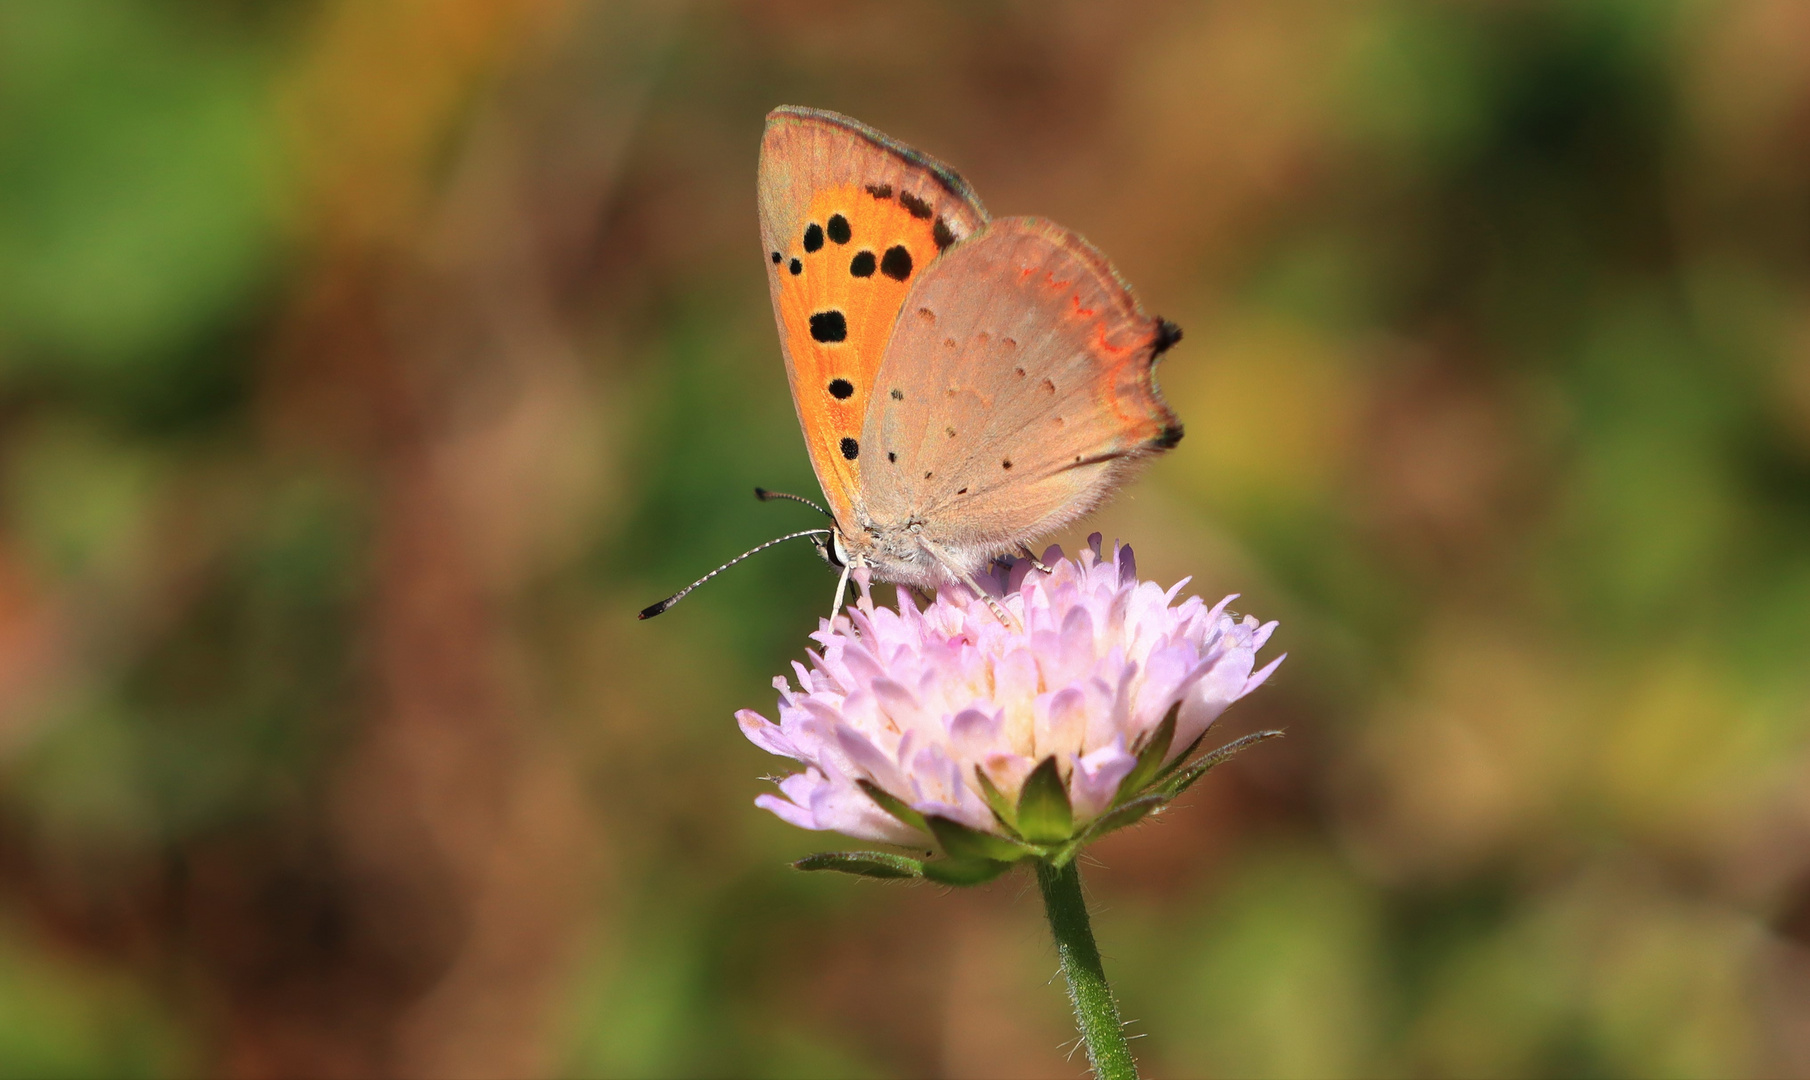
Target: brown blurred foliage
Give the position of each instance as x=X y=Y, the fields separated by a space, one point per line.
x=366 y=364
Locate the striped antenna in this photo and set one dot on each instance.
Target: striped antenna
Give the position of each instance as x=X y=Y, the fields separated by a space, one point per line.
x=651 y=610
x=764 y=495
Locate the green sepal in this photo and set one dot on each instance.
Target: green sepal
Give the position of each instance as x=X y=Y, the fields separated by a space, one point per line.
x=1180 y=759
x=1153 y=749
x=1121 y=816
x=1117 y=818
x=873 y=864
x=996 y=800
x=965 y=844
x=894 y=806
x=1185 y=779
x=1044 y=814
x=964 y=871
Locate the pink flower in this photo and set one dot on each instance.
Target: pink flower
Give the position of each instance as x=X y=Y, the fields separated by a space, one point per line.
x=947 y=720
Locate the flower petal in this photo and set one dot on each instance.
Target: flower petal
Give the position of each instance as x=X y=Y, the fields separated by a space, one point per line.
x=923 y=701
x=846 y=809
x=1262 y=677
x=1061 y=723
x=974 y=732
x=1095 y=780
x=787 y=811
x=767 y=735
x=1221 y=685
x=867 y=758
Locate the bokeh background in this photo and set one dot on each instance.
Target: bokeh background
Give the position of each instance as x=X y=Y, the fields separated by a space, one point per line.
x=366 y=364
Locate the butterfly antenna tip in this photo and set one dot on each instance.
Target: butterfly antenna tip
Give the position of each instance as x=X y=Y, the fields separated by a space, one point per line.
x=764 y=495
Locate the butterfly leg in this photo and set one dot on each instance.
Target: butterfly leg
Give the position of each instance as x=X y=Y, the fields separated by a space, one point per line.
x=841 y=594
x=1005 y=617
x=1025 y=550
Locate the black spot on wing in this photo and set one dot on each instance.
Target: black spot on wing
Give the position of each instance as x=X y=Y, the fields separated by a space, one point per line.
x=880 y=191
x=918 y=207
x=840 y=389
x=776 y=258
x=1167 y=334
x=850 y=449
x=796 y=267
x=896 y=263
x=1006 y=464
x=829 y=326
x=890 y=456
x=839 y=230
x=813 y=237
x=898 y=394
x=942 y=234
x=862 y=265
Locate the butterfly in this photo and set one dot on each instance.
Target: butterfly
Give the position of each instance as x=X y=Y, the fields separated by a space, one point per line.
x=965 y=384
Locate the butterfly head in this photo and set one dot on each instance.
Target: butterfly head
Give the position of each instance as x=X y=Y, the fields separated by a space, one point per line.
x=831 y=549
x=890 y=555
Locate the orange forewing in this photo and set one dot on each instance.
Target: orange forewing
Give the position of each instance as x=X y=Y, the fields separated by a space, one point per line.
x=850 y=219
x=846 y=279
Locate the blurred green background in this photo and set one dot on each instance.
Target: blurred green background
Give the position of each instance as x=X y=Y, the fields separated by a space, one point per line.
x=366 y=364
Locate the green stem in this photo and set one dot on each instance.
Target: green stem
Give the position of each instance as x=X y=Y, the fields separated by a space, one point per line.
x=1096 y=1013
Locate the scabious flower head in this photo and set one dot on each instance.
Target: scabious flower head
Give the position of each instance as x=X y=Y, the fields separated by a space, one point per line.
x=997 y=740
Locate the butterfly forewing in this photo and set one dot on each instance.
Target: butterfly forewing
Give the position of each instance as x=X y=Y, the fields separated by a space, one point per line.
x=850 y=221
x=1016 y=392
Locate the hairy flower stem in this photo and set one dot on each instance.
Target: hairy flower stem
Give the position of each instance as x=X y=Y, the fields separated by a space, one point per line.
x=1096 y=1013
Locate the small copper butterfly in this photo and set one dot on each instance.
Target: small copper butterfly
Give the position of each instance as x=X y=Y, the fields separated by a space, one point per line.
x=965 y=384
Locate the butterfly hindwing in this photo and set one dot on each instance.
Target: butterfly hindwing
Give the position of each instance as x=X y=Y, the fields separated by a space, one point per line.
x=850 y=222
x=1016 y=392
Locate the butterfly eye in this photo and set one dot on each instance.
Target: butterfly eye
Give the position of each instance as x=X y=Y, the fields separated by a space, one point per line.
x=827 y=550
